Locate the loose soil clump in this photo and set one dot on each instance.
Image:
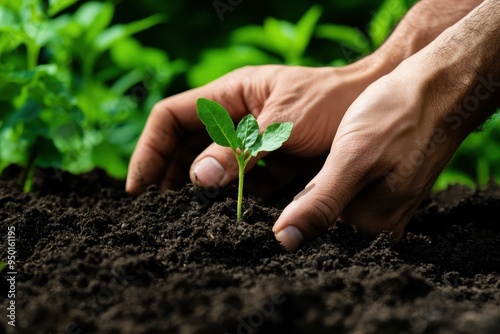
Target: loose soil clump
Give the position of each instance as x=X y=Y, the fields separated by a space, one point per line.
x=91 y=259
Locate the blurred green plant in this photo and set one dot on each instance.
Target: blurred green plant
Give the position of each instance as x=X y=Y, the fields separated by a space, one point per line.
x=477 y=160
x=281 y=42
x=355 y=43
x=275 y=42
x=75 y=91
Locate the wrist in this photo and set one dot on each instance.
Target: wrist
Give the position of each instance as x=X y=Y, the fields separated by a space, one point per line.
x=425 y=21
x=362 y=73
x=457 y=76
x=463 y=64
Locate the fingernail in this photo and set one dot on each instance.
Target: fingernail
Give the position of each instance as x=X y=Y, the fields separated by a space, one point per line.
x=209 y=172
x=290 y=237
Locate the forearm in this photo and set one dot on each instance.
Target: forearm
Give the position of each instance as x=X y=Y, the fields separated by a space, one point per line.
x=426 y=20
x=466 y=66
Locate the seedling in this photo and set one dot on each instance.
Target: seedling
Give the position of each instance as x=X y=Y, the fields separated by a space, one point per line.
x=246 y=141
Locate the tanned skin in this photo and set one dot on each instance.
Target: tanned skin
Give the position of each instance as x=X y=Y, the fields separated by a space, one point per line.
x=389 y=122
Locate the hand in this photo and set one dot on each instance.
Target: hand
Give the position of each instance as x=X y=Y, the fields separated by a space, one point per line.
x=314 y=99
x=399 y=134
x=173 y=136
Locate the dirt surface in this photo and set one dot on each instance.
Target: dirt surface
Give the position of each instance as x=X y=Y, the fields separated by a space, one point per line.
x=90 y=259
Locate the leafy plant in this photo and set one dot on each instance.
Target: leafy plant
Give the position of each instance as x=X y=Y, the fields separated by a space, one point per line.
x=476 y=161
x=246 y=141
x=276 y=41
x=282 y=38
x=354 y=42
x=75 y=91
x=2 y=266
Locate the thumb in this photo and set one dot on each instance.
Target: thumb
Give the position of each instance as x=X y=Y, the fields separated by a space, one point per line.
x=215 y=167
x=320 y=204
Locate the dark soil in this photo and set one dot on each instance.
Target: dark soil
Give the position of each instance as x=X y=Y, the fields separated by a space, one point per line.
x=90 y=259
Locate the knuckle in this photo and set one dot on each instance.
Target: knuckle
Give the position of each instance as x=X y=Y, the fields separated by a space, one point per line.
x=364 y=157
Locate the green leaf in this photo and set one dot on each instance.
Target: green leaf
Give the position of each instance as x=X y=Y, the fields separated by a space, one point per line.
x=286 y=39
x=14 y=146
x=281 y=34
x=29 y=112
x=253 y=35
x=94 y=17
x=305 y=29
x=389 y=14
x=108 y=157
x=219 y=125
x=2 y=266
x=483 y=172
x=47 y=154
x=127 y=81
x=115 y=33
x=130 y=54
x=217 y=62
x=272 y=139
x=11 y=83
x=8 y=18
x=247 y=131
x=55 y=6
x=350 y=37
x=450 y=177
x=11 y=38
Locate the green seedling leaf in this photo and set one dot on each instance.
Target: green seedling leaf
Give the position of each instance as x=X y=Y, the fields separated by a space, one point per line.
x=219 y=125
x=247 y=131
x=2 y=266
x=247 y=137
x=272 y=139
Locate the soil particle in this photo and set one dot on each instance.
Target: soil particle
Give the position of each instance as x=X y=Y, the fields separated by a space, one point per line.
x=91 y=259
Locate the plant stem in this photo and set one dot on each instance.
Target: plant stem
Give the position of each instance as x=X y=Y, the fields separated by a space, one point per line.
x=241 y=164
x=32 y=55
x=88 y=64
x=26 y=177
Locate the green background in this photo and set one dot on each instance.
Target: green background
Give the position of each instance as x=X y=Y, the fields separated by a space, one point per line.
x=78 y=78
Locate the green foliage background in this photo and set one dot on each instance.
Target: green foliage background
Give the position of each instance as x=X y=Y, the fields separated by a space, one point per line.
x=78 y=78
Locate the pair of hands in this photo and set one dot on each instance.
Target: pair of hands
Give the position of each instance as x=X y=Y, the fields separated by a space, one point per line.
x=387 y=136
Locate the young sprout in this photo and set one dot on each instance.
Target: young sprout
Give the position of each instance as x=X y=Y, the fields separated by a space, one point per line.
x=246 y=141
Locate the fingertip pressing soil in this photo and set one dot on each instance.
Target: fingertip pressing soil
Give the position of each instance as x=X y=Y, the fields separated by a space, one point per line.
x=91 y=259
